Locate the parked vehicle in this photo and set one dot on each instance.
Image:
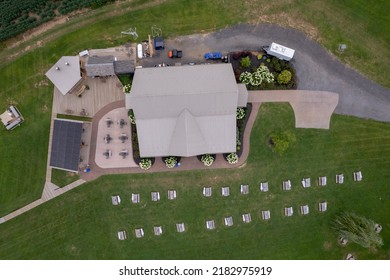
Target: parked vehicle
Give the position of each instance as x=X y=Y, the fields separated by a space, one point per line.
x=213 y=55
x=175 y=53
x=280 y=51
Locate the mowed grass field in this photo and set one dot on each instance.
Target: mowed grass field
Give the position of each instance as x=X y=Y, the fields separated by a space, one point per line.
x=82 y=224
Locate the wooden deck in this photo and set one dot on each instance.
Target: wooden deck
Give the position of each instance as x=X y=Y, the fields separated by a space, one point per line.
x=101 y=92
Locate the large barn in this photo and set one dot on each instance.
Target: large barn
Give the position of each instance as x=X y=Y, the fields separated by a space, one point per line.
x=186 y=110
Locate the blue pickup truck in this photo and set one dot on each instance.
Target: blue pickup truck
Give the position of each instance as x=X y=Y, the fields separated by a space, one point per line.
x=213 y=55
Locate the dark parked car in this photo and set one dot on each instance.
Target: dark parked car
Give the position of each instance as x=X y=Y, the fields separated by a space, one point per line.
x=175 y=53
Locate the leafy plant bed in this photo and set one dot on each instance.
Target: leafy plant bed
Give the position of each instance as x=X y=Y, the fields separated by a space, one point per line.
x=213 y=156
x=171 y=161
x=241 y=124
x=250 y=61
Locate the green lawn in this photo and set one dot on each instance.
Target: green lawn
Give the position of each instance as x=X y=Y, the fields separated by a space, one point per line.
x=83 y=216
x=63 y=178
x=82 y=224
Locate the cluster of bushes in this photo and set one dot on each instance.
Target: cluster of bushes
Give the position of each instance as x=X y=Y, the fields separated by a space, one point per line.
x=19 y=16
x=262 y=71
x=260 y=76
x=131 y=116
x=134 y=142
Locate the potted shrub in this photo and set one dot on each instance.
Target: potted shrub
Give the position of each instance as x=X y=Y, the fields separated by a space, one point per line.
x=145 y=163
x=232 y=158
x=171 y=161
x=207 y=159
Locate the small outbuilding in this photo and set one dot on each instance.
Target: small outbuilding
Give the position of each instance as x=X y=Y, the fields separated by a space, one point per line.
x=11 y=118
x=159 y=43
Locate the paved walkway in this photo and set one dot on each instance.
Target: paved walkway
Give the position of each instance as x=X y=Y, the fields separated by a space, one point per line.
x=312 y=109
x=316 y=68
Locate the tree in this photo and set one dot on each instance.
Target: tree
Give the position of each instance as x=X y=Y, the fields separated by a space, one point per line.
x=245 y=62
x=284 y=77
x=281 y=141
x=357 y=229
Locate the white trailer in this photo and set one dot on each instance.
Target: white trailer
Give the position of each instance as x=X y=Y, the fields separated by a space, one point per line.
x=280 y=51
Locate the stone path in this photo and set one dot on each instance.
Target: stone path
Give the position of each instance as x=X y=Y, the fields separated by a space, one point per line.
x=312 y=109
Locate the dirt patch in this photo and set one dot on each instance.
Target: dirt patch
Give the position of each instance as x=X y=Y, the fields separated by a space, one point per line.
x=42 y=83
x=327 y=245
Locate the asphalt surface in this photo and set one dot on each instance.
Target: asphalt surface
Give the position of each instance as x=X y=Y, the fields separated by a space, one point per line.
x=316 y=68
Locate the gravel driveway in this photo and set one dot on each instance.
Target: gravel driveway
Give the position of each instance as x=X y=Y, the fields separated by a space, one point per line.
x=316 y=68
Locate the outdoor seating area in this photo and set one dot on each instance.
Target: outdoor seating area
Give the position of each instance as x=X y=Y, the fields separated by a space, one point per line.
x=306 y=182
x=339 y=178
x=322 y=181
x=139 y=232
x=288 y=211
x=116 y=200
x=357 y=176
x=244 y=189
x=322 y=206
x=304 y=209
x=157 y=230
x=266 y=214
x=113 y=143
x=210 y=224
x=228 y=221
x=225 y=191
x=155 y=196
x=207 y=191
x=180 y=227
x=246 y=218
x=122 y=235
x=171 y=194
x=264 y=187
x=135 y=198
x=287 y=185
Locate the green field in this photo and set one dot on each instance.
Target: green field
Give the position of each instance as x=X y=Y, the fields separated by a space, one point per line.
x=82 y=223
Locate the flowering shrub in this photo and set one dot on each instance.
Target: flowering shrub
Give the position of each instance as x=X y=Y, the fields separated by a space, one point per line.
x=127 y=88
x=145 y=163
x=265 y=74
x=207 y=159
x=232 y=158
x=131 y=117
x=245 y=78
x=256 y=79
x=240 y=113
x=170 y=162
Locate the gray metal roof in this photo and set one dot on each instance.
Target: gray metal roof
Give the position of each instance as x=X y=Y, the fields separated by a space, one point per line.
x=65 y=74
x=65 y=148
x=100 y=66
x=185 y=110
x=124 y=66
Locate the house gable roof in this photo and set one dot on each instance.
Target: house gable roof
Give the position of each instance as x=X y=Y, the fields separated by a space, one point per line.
x=65 y=74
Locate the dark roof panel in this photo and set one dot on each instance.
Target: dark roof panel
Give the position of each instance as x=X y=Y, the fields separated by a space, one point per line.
x=65 y=148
